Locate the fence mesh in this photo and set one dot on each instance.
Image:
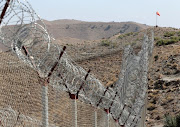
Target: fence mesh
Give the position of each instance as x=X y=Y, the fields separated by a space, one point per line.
x=20 y=92
x=21 y=100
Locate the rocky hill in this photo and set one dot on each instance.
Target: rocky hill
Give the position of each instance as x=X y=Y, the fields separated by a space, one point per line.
x=90 y=30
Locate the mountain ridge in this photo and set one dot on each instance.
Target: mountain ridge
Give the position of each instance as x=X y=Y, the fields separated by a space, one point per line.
x=90 y=30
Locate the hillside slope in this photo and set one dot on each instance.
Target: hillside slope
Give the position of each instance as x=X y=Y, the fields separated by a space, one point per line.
x=90 y=30
x=104 y=58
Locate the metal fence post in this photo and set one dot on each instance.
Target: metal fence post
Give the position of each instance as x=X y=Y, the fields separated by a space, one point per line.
x=108 y=119
x=45 y=105
x=4 y=11
x=75 y=111
x=95 y=117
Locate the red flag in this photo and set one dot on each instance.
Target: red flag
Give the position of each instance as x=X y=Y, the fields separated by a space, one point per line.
x=157 y=13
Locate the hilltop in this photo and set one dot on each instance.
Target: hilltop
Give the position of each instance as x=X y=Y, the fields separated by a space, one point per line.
x=75 y=31
x=68 y=29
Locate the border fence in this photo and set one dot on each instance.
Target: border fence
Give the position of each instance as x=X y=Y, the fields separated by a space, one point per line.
x=42 y=86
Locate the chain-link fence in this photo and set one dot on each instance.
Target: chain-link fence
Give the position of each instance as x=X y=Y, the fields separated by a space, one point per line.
x=21 y=100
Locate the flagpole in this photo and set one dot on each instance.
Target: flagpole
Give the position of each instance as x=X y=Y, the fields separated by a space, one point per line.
x=156 y=20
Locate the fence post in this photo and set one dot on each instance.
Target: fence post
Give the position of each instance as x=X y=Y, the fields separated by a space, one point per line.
x=95 y=117
x=74 y=106
x=108 y=120
x=45 y=105
x=75 y=111
x=4 y=11
x=45 y=92
x=117 y=123
x=107 y=111
x=143 y=115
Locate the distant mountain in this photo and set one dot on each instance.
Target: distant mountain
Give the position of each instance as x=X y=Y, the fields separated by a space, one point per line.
x=90 y=30
x=74 y=31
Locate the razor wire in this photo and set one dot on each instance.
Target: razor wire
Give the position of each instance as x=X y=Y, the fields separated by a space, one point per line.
x=24 y=32
x=132 y=83
x=12 y=118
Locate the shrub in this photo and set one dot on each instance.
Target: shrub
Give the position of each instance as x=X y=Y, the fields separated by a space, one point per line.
x=178 y=120
x=175 y=38
x=125 y=35
x=178 y=33
x=171 y=41
x=158 y=85
x=156 y=38
x=133 y=43
x=120 y=36
x=128 y=34
x=172 y=121
x=137 y=39
x=169 y=34
x=135 y=33
x=156 y=57
x=160 y=42
x=107 y=28
x=150 y=106
x=169 y=121
x=167 y=41
x=105 y=43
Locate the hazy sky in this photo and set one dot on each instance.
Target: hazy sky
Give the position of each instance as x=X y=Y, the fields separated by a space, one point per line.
x=141 y=11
